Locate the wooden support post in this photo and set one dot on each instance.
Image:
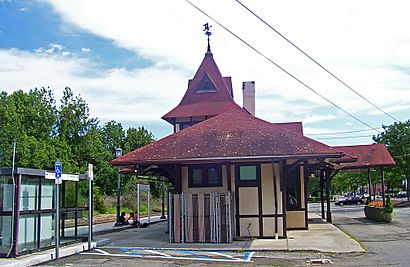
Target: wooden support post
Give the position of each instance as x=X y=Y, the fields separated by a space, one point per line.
x=369 y=179
x=328 y=183
x=322 y=199
x=283 y=174
x=383 y=189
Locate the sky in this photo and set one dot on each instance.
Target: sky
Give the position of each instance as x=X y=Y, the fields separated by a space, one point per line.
x=131 y=60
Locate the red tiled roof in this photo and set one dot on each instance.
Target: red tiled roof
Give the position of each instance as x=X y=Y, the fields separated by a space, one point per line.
x=291 y=126
x=232 y=134
x=196 y=103
x=368 y=156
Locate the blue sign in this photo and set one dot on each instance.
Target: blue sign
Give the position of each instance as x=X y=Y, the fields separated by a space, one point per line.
x=58 y=169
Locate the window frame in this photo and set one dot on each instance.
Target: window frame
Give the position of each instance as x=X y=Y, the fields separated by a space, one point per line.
x=205 y=182
x=248 y=182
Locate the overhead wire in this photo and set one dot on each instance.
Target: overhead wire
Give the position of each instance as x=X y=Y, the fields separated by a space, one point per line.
x=316 y=62
x=346 y=132
x=344 y=137
x=281 y=68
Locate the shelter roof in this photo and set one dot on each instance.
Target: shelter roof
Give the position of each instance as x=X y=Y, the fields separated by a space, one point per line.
x=368 y=156
x=234 y=134
x=208 y=93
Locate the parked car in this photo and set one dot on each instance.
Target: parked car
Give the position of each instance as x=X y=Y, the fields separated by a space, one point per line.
x=402 y=194
x=350 y=201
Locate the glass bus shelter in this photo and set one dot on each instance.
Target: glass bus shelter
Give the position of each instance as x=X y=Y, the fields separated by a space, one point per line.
x=27 y=210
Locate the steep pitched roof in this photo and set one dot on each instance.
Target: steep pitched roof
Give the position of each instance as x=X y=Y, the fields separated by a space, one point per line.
x=368 y=156
x=233 y=134
x=208 y=93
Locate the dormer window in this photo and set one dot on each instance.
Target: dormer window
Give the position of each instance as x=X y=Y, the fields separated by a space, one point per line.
x=206 y=85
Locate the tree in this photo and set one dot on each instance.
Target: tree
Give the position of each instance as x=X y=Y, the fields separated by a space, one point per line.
x=348 y=181
x=113 y=135
x=137 y=138
x=396 y=138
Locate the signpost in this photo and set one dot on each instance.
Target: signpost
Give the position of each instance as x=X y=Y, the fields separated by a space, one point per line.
x=58 y=169
x=90 y=205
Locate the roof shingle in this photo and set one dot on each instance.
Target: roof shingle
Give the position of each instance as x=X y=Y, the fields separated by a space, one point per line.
x=233 y=133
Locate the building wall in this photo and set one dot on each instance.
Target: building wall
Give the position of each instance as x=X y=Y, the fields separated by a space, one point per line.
x=262 y=221
x=255 y=207
x=203 y=190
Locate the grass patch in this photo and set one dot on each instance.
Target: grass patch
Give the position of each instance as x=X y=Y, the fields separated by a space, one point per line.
x=355 y=239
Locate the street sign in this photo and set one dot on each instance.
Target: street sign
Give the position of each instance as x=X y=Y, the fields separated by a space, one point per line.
x=58 y=169
x=90 y=172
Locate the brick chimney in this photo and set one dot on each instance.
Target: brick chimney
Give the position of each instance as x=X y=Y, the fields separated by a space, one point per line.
x=248 y=91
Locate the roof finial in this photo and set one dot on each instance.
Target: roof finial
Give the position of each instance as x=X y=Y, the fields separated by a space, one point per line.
x=208 y=33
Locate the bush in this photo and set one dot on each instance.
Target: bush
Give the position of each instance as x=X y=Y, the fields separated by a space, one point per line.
x=389 y=205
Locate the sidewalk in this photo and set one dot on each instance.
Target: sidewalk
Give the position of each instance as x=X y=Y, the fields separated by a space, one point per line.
x=321 y=236
x=48 y=255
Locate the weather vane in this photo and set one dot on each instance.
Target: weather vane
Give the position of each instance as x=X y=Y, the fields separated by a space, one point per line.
x=208 y=33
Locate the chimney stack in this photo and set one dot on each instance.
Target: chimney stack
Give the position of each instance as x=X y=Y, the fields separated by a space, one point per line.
x=248 y=90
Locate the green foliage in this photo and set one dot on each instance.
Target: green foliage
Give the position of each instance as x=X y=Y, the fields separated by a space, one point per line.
x=389 y=205
x=137 y=138
x=348 y=181
x=396 y=138
x=45 y=132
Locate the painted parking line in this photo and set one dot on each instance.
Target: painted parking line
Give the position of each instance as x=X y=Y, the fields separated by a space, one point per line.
x=173 y=254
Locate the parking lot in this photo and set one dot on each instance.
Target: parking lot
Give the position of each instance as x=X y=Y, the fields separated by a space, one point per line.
x=173 y=254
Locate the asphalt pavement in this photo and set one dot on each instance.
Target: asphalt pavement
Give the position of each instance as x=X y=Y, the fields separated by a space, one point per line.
x=388 y=244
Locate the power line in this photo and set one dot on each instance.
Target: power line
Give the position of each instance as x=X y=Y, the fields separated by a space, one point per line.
x=281 y=68
x=347 y=132
x=317 y=63
x=344 y=137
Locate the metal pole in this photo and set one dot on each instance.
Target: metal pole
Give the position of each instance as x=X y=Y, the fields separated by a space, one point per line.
x=90 y=208
x=229 y=218
x=138 y=202
x=169 y=218
x=12 y=196
x=118 y=198
x=163 y=199
x=149 y=207
x=57 y=222
x=182 y=218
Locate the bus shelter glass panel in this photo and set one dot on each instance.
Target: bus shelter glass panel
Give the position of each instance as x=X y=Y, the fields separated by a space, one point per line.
x=47 y=194
x=27 y=236
x=29 y=193
x=6 y=203
x=47 y=230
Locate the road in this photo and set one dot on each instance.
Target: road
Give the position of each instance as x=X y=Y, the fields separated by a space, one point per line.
x=387 y=245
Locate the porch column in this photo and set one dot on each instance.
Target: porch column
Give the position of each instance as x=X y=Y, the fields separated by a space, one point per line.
x=162 y=199
x=283 y=174
x=369 y=179
x=322 y=199
x=328 y=182
x=383 y=189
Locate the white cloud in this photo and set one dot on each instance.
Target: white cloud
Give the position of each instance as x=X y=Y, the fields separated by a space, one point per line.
x=317 y=118
x=117 y=94
x=84 y=49
x=344 y=36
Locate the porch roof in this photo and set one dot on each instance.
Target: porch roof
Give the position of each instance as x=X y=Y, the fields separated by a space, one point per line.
x=368 y=156
x=233 y=135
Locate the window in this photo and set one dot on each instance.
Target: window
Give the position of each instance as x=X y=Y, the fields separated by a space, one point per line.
x=197 y=176
x=247 y=173
x=205 y=176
